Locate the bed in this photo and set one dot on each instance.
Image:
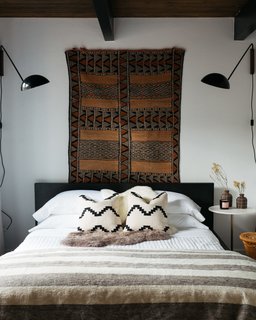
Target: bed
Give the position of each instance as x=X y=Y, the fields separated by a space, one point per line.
x=187 y=276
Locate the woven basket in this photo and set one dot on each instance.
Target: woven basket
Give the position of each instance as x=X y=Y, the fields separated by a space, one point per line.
x=249 y=241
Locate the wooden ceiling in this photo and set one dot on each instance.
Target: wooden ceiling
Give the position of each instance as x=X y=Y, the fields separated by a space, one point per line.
x=121 y=8
x=107 y=10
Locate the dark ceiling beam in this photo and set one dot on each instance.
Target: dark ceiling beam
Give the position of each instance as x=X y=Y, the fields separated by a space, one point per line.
x=245 y=21
x=105 y=17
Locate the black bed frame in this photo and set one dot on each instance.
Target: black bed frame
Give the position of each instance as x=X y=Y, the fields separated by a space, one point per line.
x=201 y=193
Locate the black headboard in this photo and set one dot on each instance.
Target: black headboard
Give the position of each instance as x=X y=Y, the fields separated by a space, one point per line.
x=201 y=193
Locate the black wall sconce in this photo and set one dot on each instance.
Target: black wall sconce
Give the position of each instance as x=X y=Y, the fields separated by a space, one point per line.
x=220 y=81
x=27 y=83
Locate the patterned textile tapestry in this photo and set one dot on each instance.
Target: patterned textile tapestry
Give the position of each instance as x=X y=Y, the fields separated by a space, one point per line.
x=124 y=115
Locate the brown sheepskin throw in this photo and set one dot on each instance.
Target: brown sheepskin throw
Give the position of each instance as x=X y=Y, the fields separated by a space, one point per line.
x=101 y=239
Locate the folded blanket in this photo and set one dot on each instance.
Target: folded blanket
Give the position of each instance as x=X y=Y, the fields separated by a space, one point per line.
x=101 y=239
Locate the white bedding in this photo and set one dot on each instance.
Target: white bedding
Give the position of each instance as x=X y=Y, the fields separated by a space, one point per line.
x=61 y=215
x=190 y=239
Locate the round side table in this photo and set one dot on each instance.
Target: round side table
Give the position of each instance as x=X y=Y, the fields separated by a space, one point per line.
x=232 y=212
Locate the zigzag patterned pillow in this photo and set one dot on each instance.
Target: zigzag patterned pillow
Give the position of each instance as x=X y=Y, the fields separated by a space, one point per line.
x=145 y=191
x=99 y=216
x=143 y=214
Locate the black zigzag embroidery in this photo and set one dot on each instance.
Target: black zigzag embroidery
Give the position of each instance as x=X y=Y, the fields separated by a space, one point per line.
x=100 y=213
x=100 y=227
x=87 y=199
x=145 y=200
x=159 y=195
x=113 y=195
x=137 y=195
x=145 y=227
x=128 y=228
x=145 y=213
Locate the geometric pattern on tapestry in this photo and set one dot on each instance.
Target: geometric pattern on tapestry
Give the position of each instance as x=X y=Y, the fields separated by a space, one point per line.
x=124 y=115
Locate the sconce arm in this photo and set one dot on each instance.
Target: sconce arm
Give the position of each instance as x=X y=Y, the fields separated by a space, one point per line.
x=251 y=60
x=1 y=67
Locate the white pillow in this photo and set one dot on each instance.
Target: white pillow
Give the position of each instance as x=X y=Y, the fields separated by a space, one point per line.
x=143 y=214
x=180 y=203
x=58 y=222
x=100 y=216
x=185 y=221
x=179 y=221
x=144 y=191
x=67 y=202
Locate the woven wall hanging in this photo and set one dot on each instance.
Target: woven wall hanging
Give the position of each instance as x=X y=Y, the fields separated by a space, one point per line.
x=124 y=115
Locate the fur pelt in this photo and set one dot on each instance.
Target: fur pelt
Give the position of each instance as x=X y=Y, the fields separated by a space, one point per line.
x=101 y=239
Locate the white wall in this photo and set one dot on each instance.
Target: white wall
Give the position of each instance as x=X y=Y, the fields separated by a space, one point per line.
x=214 y=122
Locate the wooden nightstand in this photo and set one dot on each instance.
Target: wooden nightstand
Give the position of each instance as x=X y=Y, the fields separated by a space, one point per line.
x=232 y=212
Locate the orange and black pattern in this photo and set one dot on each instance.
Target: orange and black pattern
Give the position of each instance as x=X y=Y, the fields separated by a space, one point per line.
x=124 y=115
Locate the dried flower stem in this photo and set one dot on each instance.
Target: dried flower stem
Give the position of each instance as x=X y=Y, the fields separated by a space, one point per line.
x=219 y=176
x=240 y=186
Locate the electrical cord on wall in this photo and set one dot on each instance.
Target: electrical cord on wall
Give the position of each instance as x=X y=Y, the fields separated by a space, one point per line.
x=252 y=119
x=9 y=217
x=1 y=114
x=1 y=153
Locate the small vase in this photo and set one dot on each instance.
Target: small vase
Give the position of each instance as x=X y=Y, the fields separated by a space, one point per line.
x=227 y=196
x=241 y=201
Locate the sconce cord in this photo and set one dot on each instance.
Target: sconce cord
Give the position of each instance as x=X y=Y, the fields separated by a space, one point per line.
x=252 y=72
x=9 y=217
x=252 y=118
x=1 y=153
x=1 y=114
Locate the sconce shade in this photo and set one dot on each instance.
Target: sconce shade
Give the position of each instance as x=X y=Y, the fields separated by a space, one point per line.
x=33 y=81
x=30 y=82
x=220 y=81
x=216 y=80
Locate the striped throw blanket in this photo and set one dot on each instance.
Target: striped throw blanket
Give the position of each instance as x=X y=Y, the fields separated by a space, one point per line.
x=103 y=283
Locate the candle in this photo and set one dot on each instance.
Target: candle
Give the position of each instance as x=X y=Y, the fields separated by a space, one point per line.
x=224 y=204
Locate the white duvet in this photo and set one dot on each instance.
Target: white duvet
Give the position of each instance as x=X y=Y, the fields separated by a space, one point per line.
x=60 y=216
x=189 y=239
